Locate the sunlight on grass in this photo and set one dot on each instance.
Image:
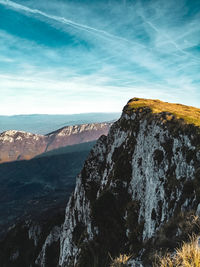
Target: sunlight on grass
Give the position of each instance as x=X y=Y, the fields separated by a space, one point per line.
x=120 y=261
x=187 y=256
x=190 y=114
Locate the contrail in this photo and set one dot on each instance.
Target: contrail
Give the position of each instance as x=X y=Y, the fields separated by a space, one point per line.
x=170 y=40
x=71 y=23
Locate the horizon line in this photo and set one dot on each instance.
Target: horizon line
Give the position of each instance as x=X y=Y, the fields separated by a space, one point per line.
x=58 y=114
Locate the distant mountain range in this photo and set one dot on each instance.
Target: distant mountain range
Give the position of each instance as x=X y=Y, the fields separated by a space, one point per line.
x=20 y=145
x=43 y=123
x=37 y=176
x=37 y=172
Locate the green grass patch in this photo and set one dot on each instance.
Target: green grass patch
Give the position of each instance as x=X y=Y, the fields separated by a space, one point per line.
x=190 y=115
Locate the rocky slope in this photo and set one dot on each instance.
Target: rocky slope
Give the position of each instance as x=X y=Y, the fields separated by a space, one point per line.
x=139 y=189
x=27 y=241
x=28 y=188
x=33 y=196
x=76 y=134
x=19 y=145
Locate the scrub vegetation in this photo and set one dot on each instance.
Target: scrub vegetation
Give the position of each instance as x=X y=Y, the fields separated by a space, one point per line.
x=120 y=261
x=186 y=256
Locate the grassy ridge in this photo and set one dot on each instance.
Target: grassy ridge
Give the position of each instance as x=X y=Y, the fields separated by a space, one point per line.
x=189 y=114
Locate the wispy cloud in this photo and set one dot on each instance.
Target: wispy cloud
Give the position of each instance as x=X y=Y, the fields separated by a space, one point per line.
x=83 y=27
x=115 y=49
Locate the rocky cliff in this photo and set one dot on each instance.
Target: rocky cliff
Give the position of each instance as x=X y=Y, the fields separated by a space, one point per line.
x=139 y=189
x=19 y=145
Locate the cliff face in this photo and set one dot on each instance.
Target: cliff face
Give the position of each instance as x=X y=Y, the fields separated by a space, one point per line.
x=137 y=187
x=19 y=145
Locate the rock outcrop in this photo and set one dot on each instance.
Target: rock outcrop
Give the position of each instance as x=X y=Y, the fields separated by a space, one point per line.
x=19 y=145
x=139 y=189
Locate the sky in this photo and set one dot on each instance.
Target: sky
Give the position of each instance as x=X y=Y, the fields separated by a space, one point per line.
x=65 y=57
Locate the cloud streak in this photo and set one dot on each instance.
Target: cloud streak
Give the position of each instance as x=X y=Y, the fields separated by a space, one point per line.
x=65 y=21
x=119 y=50
x=170 y=40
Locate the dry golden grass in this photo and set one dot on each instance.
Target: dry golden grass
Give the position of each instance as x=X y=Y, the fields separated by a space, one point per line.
x=190 y=114
x=122 y=260
x=187 y=256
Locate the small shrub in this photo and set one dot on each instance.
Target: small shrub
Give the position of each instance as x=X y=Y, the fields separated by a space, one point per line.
x=120 y=261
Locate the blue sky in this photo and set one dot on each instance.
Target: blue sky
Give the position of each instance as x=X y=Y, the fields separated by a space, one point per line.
x=62 y=57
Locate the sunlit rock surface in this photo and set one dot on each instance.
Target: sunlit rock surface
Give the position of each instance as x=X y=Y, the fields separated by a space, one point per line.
x=136 y=180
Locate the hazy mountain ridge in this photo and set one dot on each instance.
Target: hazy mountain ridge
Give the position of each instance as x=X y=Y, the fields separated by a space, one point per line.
x=44 y=123
x=19 y=145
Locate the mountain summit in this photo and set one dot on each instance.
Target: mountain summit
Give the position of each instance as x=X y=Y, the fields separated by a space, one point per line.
x=138 y=187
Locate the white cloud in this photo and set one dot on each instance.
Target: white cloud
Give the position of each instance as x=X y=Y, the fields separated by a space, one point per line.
x=133 y=50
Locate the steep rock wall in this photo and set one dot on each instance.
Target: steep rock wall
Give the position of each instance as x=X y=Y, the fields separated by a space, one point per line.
x=135 y=180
